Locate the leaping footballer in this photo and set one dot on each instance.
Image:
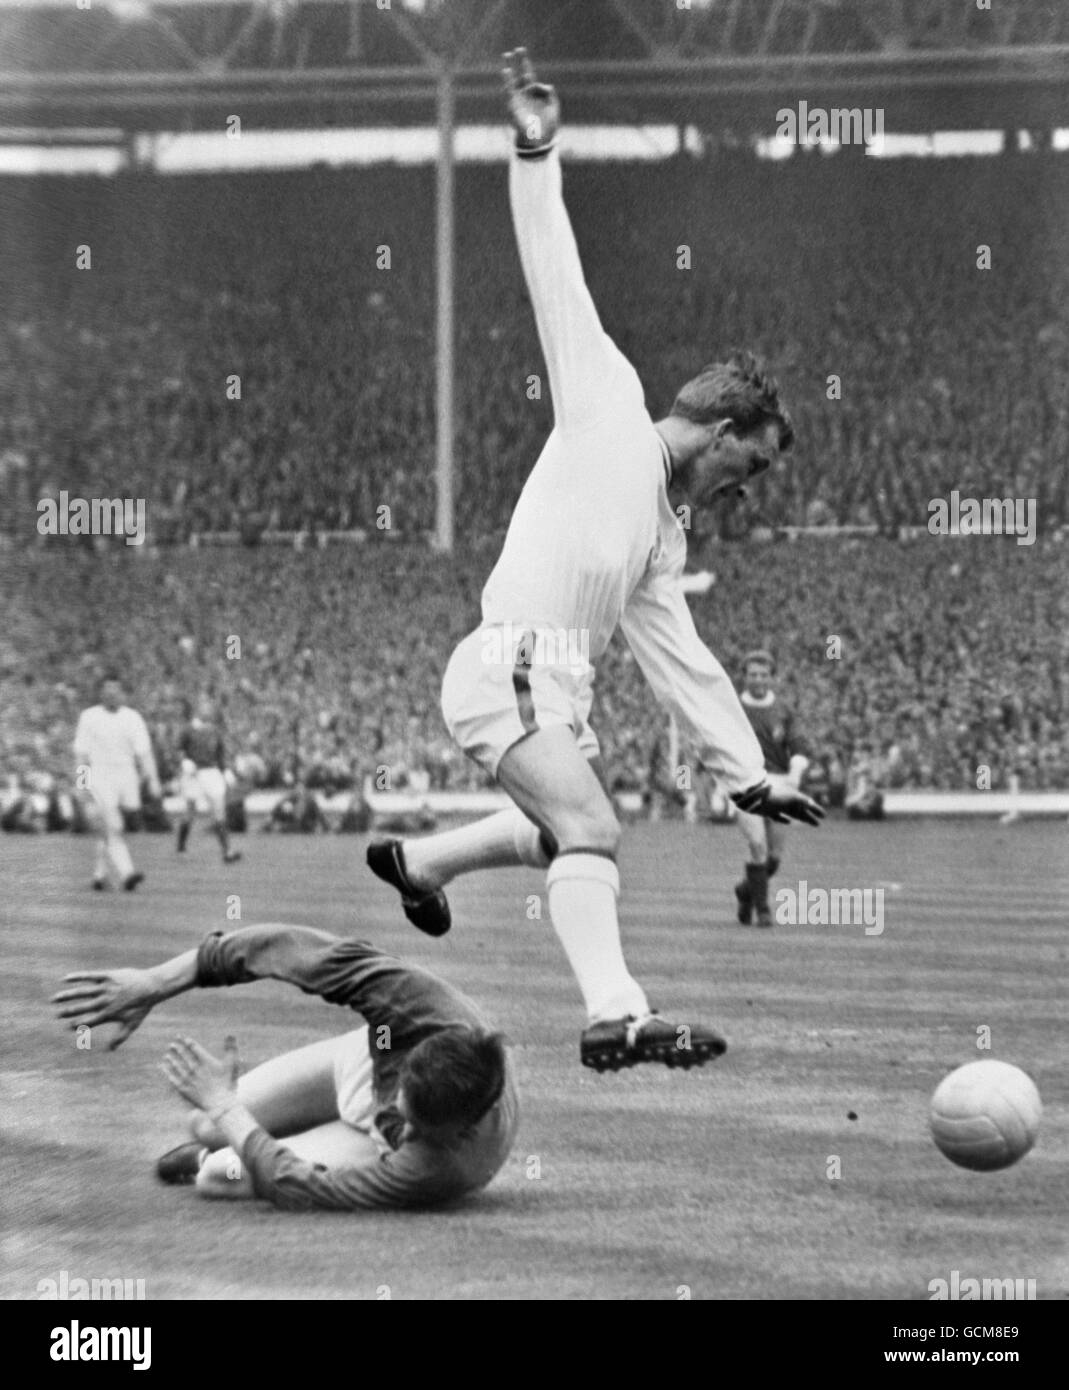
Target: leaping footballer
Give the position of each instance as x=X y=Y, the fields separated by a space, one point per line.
x=594 y=545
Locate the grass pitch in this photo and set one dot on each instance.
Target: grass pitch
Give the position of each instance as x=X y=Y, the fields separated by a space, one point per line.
x=645 y=1184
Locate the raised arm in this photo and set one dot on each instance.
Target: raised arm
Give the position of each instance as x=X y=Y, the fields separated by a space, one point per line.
x=586 y=369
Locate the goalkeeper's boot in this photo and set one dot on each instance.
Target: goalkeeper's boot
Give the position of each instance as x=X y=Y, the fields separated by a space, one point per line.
x=181 y=1165
x=744 y=910
x=614 y=1043
x=757 y=880
x=231 y=856
x=131 y=881
x=427 y=911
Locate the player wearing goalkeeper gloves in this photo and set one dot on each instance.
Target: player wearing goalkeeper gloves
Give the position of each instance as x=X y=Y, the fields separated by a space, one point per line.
x=416 y=1108
x=594 y=545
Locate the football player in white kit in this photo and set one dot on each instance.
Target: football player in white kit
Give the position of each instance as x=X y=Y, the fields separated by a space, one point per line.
x=113 y=753
x=594 y=544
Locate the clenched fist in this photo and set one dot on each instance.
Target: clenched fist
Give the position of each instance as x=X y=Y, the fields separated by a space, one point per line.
x=532 y=106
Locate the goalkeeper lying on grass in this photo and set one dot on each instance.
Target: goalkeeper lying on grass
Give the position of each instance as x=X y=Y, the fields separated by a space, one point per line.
x=416 y=1108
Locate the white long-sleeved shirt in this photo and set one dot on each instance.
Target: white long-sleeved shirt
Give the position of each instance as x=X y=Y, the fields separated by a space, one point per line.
x=114 y=741
x=594 y=543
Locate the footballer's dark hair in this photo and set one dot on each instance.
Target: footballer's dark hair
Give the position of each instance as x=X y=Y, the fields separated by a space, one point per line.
x=760 y=657
x=741 y=390
x=454 y=1077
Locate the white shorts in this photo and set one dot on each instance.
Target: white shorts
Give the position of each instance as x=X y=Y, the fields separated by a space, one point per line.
x=112 y=793
x=353 y=1078
x=204 y=788
x=491 y=700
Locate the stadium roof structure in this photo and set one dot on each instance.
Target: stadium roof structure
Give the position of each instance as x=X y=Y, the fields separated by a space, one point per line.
x=143 y=65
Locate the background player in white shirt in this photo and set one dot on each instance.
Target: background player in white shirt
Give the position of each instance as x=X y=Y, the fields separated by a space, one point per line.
x=113 y=753
x=594 y=545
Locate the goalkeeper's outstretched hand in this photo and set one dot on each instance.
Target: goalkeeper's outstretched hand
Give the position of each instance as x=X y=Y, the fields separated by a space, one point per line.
x=94 y=997
x=532 y=105
x=781 y=802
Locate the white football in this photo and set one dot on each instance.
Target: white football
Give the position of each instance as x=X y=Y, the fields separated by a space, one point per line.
x=986 y=1115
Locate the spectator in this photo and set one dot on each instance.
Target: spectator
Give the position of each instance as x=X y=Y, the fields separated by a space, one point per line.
x=298 y=812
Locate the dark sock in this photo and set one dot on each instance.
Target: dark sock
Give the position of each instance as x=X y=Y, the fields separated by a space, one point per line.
x=772 y=864
x=183 y=833
x=757 y=878
x=219 y=831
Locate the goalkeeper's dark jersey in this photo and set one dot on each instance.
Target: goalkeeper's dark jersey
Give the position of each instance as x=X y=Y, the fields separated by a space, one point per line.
x=773 y=723
x=407 y=1003
x=202 y=744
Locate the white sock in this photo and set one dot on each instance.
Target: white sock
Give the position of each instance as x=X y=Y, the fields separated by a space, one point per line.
x=500 y=841
x=582 y=902
x=120 y=857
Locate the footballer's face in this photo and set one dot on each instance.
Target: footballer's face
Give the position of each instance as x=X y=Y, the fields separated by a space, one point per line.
x=758 y=679
x=731 y=458
x=111 y=695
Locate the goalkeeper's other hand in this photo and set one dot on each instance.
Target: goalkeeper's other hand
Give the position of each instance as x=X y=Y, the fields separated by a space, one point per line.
x=532 y=105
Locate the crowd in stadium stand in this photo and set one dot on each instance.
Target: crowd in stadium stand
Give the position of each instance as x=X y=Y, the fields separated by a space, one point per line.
x=120 y=380
x=950 y=658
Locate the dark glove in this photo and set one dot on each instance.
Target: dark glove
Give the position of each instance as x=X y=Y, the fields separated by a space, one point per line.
x=780 y=802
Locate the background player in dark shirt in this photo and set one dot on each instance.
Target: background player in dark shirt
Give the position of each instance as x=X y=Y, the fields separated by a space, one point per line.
x=786 y=757
x=203 y=780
